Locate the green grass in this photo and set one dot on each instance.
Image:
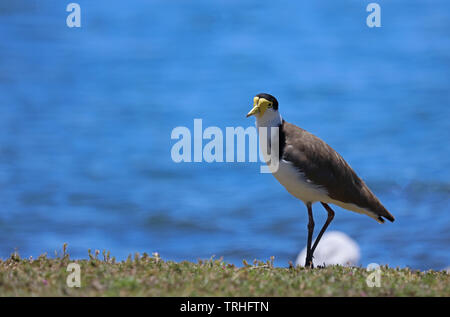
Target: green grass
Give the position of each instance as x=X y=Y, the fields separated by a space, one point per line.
x=147 y=275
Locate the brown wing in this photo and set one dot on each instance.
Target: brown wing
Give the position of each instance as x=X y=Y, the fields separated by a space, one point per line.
x=325 y=167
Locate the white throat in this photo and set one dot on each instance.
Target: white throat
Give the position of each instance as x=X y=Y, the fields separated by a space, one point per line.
x=270 y=118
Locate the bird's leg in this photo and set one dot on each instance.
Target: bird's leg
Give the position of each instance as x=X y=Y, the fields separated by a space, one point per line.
x=325 y=226
x=309 y=252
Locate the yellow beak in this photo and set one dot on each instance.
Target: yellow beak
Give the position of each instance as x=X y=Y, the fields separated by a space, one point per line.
x=254 y=111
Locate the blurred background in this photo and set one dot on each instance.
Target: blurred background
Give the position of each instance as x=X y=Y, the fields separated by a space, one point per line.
x=86 y=116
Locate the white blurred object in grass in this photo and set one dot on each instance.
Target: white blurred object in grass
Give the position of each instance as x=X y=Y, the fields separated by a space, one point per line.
x=334 y=248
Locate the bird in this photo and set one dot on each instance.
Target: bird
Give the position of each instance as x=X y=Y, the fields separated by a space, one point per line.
x=336 y=248
x=312 y=171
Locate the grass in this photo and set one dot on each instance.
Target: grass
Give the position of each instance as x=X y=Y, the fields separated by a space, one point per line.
x=102 y=275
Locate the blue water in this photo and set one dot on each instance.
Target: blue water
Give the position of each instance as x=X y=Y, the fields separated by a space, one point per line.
x=86 y=116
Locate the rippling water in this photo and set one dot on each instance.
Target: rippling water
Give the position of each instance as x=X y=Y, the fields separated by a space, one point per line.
x=86 y=116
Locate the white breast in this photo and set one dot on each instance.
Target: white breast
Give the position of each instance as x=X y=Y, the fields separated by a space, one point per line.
x=298 y=185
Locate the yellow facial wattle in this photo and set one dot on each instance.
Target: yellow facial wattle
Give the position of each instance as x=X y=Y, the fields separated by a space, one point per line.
x=260 y=105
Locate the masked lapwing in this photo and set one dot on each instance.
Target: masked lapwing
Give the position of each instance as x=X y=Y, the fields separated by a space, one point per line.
x=312 y=171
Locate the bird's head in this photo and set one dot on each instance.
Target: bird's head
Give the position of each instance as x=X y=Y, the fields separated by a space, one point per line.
x=263 y=105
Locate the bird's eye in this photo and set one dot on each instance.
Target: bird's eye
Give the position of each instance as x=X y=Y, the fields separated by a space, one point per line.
x=269 y=106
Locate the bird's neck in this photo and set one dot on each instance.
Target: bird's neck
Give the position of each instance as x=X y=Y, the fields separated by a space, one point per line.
x=269 y=122
x=269 y=119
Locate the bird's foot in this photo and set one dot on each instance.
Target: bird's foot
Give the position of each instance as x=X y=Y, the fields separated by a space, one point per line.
x=309 y=263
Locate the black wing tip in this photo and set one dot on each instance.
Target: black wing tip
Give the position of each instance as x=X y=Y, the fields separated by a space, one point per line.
x=390 y=218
